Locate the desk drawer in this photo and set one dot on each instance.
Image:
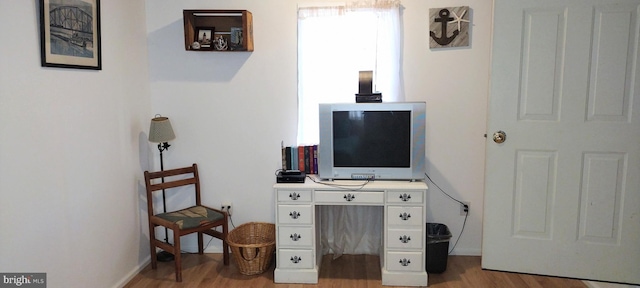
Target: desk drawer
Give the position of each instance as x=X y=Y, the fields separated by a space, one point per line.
x=405 y=197
x=294 y=196
x=405 y=261
x=294 y=214
x=295 y=259
x=405 y=238
x=295 y=236
x=349 y=197
x=404 y=215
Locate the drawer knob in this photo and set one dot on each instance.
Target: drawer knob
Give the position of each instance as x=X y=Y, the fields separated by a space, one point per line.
x=349 y=197
x=405 y=197
x=405 y=216
x=295 y=237
x=405 y=239
x=294 y=215
x=294 y=196
x=405 y=262
x=296 y=259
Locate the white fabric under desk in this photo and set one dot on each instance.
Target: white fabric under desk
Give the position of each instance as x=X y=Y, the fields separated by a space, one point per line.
x=351 y=229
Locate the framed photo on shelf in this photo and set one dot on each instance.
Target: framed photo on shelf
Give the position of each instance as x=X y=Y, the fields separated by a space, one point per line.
x=204 y=37
x=221 y=41
x=236 y=38
x=70 y=34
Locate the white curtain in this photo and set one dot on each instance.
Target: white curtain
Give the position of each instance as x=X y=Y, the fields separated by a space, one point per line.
x=351 y=230
x=334 y=44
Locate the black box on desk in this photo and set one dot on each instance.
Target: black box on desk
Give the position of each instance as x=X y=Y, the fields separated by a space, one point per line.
x=291 y=177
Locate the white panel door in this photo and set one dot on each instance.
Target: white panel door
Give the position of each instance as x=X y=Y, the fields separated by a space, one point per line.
x=562 y=194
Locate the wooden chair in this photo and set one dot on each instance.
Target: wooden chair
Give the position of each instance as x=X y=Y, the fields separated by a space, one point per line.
x=195 y=219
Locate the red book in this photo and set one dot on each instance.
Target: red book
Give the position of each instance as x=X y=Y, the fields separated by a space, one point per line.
x=310 y=149
x=306 y=160
x=301 y=158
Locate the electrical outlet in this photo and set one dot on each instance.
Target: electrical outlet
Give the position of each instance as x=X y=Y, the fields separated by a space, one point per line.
x=226 y=206
x=465 y=208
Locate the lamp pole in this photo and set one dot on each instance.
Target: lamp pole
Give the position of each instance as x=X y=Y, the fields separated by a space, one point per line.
x=161 y=132
x=164 y=256
x=161 y=148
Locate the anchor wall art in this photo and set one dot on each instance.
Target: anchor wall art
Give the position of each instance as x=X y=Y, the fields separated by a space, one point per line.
x=449 y=27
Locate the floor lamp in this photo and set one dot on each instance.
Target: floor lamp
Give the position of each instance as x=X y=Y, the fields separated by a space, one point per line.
x=160 y=132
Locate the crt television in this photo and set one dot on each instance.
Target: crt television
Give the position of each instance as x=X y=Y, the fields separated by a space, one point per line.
x=372 y=141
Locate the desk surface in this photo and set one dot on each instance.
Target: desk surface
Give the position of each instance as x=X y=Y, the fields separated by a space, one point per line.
x=311 y=182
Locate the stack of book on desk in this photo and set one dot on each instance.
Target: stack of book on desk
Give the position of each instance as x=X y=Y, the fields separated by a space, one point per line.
x=303 y=158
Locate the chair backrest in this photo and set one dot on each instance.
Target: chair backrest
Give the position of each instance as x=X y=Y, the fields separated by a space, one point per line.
x=156 y=181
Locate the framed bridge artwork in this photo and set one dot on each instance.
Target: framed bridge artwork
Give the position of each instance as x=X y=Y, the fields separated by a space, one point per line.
x=70 y=34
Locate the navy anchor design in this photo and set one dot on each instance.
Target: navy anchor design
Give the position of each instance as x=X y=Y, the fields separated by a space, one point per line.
x=444 y=20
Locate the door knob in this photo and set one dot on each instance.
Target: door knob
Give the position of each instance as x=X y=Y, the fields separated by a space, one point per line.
x=499 y=137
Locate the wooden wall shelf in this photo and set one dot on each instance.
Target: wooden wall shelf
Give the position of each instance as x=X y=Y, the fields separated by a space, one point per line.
x=234 y=26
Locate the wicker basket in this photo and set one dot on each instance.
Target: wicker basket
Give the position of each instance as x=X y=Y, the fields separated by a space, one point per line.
x=252 y=245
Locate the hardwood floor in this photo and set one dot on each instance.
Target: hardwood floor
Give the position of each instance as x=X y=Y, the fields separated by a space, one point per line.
x=357 y=271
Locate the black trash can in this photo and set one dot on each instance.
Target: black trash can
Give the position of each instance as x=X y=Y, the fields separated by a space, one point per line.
x=438 y=236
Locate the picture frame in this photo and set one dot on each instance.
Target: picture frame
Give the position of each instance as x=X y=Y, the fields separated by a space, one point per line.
x=204 y=37
x=236 y=38
x=221 y=41
x=70 y=44
x=454 y=20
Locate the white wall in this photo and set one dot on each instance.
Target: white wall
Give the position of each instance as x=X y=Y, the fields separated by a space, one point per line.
x=72 y=152
x=455 y=85
x=230 y=111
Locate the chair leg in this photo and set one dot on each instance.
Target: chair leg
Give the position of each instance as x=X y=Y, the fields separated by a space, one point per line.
x=200 y=243
x=152 y=246
x=225 y=244
x=177 y=256
x=225 y=252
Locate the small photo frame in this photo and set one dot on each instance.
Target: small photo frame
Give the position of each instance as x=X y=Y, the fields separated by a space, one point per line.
x=204 y=36
x=70 y=34
x=236 y=38
x=221 y=41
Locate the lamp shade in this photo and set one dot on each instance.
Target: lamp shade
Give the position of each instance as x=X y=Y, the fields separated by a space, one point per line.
x=160 y=130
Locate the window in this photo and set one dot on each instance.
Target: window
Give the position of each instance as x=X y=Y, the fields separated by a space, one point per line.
x=334 y=44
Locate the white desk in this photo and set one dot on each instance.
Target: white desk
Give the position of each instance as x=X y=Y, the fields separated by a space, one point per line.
x=298 y=250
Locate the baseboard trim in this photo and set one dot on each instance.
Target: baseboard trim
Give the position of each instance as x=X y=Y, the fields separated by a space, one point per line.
x=135 y=271
x=212 y=249
x=594 y=284
x=466 y=252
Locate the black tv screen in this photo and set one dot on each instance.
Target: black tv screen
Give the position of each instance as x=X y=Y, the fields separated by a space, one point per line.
x=372 y=138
